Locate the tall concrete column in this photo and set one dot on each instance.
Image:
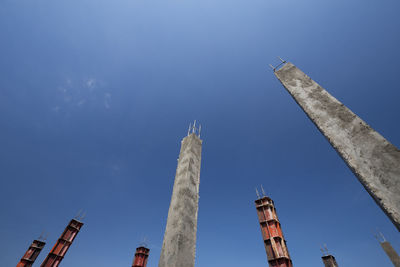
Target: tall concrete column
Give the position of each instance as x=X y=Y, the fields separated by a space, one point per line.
x=392 y=254
x=179 y=245
x=60 y=249
x=32 y=253
x=389 y=250
x=374 y=161
x=274 y=242
x=329 y=261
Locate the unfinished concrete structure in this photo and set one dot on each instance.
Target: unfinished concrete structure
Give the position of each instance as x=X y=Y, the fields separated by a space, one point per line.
x=62 y=245
x=274 y=242
x=328 y=259
x=141 y=257
x=392 y=254
x=32 y=253
x=389 y=250
x=179 y=245
x=374 y=160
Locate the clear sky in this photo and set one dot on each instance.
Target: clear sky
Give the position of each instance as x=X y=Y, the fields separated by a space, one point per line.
x=96 y=95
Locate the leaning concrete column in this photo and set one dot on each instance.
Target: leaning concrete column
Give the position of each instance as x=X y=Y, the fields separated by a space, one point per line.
x=374 y=161
x=392 y=254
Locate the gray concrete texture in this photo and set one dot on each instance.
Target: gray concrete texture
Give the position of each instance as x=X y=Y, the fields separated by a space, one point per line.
x=374 y=161
x=392 y=254
x=179 y=245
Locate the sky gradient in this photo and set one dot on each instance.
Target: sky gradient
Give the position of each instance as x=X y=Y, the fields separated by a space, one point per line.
x=96 y=95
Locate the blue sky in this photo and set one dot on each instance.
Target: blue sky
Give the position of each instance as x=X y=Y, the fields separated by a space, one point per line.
x=96 y=95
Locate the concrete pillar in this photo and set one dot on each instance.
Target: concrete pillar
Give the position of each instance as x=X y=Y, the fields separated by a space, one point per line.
x=58 y=252
x=179 y=245
x=392 y=254
x=274 y=242
x=374 y=160
x=141 y=257
x=329 y=261
x=31 y=254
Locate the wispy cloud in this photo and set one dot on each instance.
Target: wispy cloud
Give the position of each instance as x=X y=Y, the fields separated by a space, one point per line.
x=91 y=83
x=107 y=98
x=85 y=92
x=81 y=102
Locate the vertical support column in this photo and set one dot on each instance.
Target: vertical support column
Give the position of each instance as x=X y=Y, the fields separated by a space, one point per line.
x=373 y=160
x=274 y=242
x=141 y=256
x=31 y=254
x=179 y=244
x=59 y=250
x=329 y=261
x=391 y=253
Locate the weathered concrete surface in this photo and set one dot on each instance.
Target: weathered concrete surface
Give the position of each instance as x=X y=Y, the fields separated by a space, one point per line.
x=179 y=245
x=392 y=254
x=374 y=160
